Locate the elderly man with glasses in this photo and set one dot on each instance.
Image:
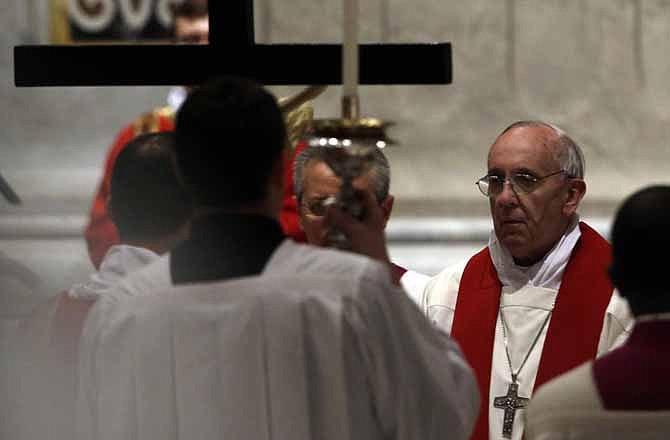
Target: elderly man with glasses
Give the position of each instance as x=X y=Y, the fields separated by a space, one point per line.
x=536 y=302
x=316 y=184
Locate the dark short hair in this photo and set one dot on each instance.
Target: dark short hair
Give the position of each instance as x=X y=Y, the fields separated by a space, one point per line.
x=230 y=133
x=190 y=9
x=147 y=200
x=640 y=235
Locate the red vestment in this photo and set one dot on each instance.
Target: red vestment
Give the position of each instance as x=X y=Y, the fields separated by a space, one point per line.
x=288 y=218
x=635 y=376
x=574 y=329
x=397 y=272
x=101 y=233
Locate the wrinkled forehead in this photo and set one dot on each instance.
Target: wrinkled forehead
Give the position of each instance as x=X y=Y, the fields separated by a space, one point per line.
x=531 y=147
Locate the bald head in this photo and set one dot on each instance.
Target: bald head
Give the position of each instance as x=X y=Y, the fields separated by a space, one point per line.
x=565 y=151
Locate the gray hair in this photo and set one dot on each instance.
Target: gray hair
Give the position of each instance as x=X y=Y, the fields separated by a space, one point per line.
x=380 y=170
x=567 y=153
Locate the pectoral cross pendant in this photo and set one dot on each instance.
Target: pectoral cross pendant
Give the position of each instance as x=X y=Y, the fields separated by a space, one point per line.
x=510 y=403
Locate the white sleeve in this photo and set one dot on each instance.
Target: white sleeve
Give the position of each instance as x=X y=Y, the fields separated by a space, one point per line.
x=414 y=284
x=421 y=385
x=617 y=324
x=440 y=296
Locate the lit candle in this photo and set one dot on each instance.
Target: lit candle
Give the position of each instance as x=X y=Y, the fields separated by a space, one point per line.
x=350 y=49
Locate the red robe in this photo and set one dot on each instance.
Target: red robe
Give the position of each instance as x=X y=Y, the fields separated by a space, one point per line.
x=635 y=376
x=288 y=218
x=101 y=232
x=572 y=337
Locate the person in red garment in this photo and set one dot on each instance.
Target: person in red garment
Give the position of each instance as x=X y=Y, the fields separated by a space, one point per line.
x=624 y=394
x=536 y=302
x=191 y=26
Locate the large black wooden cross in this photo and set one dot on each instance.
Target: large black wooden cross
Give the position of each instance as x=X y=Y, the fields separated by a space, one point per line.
x=232 y=51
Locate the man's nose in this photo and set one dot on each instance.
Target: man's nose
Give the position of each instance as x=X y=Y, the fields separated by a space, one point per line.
x=507 y=195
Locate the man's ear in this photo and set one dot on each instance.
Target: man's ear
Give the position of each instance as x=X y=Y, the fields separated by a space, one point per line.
x=387 y=207
x=575 y=194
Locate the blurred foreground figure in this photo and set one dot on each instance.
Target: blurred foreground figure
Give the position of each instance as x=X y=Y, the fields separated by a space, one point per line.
x=261 y=337
x=21 y=290
x=626 y=393
x=536 y=301
x=151 y=210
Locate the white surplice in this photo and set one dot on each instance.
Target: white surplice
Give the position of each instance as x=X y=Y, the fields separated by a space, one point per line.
x=320 y=345
x=528 y=296
x=43 y=375
x=119 y=261
x=622 y=395
x=570 y=408
x=157 y=275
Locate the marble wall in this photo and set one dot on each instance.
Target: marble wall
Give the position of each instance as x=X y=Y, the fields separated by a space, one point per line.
x=596 y=67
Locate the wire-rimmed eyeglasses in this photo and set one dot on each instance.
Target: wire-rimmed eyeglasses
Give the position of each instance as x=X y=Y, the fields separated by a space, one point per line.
x=492 y=185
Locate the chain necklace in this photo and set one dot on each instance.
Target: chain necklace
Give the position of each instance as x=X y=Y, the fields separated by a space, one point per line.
x=511 y=402
x=530 y=350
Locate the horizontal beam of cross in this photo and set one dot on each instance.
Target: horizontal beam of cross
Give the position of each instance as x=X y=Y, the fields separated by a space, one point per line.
x=275 y=64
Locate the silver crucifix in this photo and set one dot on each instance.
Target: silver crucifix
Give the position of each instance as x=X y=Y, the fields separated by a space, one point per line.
x=510 y=403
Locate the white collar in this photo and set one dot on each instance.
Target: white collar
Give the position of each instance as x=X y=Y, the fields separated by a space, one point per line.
x=119 y=261
x=653 y=317
x=546 y=273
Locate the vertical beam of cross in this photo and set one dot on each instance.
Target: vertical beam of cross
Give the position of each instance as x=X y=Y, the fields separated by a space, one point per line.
x=231 y=23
